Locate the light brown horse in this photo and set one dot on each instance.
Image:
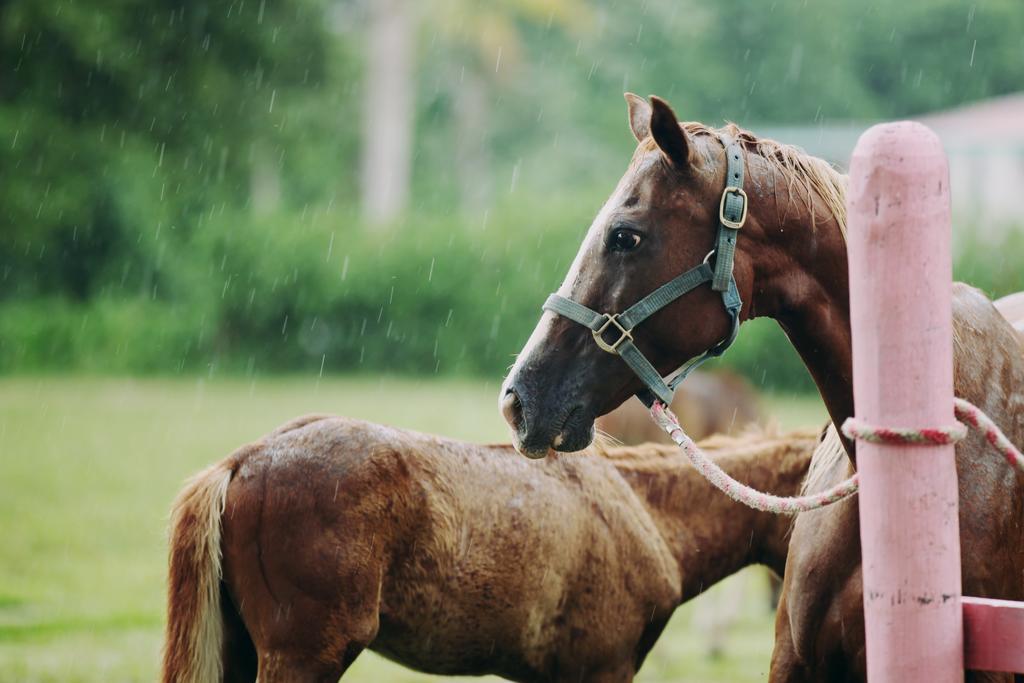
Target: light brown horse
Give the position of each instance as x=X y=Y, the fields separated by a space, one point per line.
x=790 y=265
x=334 y=535
x=709 y=403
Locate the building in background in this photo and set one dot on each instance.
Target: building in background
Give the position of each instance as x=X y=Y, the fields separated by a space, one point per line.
x=985 y=144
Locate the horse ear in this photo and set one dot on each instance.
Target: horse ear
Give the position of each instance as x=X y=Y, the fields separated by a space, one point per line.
x=639 y=116
x=669 y=135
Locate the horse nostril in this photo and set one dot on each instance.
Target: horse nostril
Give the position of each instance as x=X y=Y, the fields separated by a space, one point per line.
x=512 y=408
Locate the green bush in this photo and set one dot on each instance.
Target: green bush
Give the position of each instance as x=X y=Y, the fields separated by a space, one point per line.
x=437 y=294
x=299 y=293
x=103 y=335
x=434 y=295
x=996 y=268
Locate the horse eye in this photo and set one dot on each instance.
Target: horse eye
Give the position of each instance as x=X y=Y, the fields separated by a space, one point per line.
x=622 y=239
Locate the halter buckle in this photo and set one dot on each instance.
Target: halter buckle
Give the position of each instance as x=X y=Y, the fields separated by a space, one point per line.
x=737 y=191
x=624 y=334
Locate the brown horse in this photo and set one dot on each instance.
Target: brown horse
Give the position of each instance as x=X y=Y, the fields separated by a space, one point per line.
x=709 y=403
x=332 y=535
x=790 y=265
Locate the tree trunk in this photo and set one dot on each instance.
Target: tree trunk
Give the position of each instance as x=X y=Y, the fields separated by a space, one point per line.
x=389 y=110
x=264 y=180
x=472 y=153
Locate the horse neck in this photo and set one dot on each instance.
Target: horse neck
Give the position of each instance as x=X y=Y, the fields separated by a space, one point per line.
x=799 y=268
x=710 y=535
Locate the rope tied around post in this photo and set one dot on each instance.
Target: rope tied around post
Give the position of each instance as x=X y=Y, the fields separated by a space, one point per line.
x=968 y=414
x=902 y=436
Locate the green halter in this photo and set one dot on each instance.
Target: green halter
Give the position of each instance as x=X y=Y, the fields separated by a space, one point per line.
x=732 y=213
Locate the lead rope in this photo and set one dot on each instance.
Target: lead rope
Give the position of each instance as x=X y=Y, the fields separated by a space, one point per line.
x=969 y=414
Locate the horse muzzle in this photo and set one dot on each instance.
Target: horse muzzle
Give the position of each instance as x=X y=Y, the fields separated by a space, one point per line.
x=539 y=428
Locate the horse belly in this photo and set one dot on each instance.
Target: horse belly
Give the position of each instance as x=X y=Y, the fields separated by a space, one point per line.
x=480 y=593
x=447 y=647
x=523 y=603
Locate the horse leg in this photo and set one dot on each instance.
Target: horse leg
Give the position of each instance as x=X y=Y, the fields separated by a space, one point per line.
x=307 y=584
x=293 y=662
x=622 y=673
x=311 y=633
x=240 y=658
x=786 y=666
x=296 y=653
x=290 y=667
x=819 y=628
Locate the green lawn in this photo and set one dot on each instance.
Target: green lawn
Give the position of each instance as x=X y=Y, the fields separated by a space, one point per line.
x=88 y=468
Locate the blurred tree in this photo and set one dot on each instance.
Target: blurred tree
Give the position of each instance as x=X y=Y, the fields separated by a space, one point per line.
x=917 y=56
x=125 y=121
x=389 y=109
x=473 y=51
x=785 y=64
x=483 y=55
x=200 y=166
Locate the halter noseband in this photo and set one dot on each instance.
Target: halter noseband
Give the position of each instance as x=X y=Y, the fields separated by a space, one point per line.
x=732 y=214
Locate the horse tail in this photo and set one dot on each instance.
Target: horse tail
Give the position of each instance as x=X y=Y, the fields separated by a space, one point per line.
x=194 y=642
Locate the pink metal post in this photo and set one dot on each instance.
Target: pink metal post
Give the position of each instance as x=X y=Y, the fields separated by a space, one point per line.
x=900 y=306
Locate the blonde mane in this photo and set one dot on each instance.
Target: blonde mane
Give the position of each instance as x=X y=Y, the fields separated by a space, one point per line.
x=811 y=176
x=828 y=455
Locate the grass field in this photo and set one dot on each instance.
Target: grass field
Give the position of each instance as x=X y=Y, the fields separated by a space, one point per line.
x=88 y=468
